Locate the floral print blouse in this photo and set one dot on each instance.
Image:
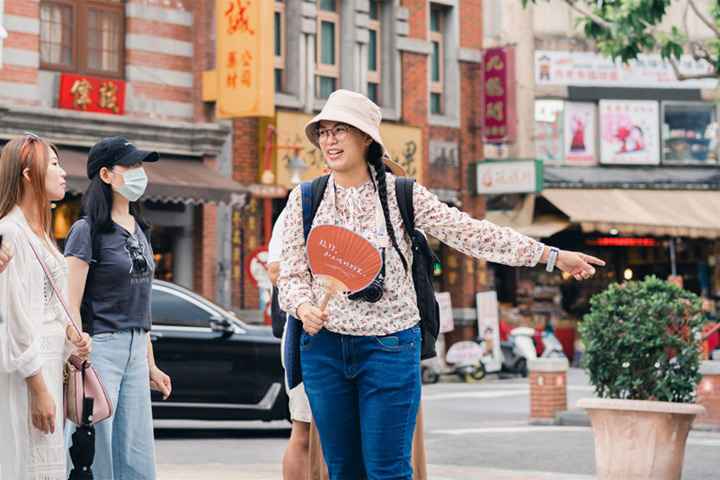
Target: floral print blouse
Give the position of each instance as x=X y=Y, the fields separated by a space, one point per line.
x=355 y=208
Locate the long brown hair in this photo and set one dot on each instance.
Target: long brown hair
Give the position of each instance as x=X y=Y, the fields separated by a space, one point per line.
x=19 y=154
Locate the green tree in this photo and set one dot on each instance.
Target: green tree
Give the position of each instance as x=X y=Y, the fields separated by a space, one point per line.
x=623 y=29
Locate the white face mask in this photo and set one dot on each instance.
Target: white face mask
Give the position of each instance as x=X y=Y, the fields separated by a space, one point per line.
x=135 y=183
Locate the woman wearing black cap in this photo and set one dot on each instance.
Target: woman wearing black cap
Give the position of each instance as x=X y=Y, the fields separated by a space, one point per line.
x=111 y=268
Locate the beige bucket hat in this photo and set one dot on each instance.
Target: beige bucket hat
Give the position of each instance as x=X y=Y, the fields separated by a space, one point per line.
x=359 y=111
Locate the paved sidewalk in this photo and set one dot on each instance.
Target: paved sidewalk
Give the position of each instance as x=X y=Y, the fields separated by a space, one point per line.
x=435 y=472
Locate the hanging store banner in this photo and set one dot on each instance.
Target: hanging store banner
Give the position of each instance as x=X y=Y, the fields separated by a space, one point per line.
x=579 y=138
x=91 y=94
x=403 y=143
x=629 y=132
x=498 y=83
x=245 y=71
x=549 y=130
x=590 y=69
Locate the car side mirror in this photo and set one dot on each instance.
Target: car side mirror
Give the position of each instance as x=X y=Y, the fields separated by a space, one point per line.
x=220 y=324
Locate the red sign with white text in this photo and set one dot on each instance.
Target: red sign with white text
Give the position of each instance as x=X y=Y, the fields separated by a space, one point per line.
x=91 y=94
x=498 y=86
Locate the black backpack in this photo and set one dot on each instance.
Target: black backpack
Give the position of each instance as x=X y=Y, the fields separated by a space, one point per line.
x=423 y=259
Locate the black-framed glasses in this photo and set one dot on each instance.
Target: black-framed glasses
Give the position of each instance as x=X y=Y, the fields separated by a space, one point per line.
x=136 y=253
x=340 y=132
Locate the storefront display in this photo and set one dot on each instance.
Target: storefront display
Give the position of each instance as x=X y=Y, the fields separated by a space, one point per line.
x=690 y=133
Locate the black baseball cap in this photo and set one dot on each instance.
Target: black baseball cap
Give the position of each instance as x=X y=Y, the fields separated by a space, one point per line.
x=109 y=152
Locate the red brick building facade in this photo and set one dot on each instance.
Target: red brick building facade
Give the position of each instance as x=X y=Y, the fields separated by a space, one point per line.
x=418 y=60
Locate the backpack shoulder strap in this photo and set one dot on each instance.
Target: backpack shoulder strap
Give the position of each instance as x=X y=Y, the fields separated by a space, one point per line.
x=312 y=195
x=306 y=196
x=319 y=185
x=404 y=193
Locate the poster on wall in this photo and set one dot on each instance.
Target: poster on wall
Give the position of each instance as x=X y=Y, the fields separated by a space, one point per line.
x=629 y=132
x=488 y=329
x=447 y=324
x=549 y=130
x=580 y=133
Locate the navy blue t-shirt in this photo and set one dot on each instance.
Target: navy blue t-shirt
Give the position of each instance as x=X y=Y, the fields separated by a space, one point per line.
x=117 y=295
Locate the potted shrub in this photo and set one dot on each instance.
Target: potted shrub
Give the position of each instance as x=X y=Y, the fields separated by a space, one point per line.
x=642 y=354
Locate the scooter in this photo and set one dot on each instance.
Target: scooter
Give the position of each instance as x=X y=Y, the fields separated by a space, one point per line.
x=518 y=351
x=463 y=359
x=552 y=348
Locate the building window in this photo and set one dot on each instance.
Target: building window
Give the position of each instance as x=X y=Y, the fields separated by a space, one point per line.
x=83 y=37
x=327 y=48
x=279 y=45
x=690 y=133
x=374 y=67
x=437 y=58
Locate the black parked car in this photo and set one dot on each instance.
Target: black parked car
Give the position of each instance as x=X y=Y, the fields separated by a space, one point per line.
x=221 y=368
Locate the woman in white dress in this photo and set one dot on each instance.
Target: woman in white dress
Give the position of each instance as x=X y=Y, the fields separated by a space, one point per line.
x=35 y=339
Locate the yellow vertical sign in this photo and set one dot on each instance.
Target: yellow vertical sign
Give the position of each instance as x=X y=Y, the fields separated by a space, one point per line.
x=245 y=58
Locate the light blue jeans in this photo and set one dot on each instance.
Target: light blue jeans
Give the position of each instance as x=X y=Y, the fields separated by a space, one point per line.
x=124 y=443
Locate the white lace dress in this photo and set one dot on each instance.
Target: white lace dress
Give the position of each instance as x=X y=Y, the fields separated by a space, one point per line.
x=32 y=340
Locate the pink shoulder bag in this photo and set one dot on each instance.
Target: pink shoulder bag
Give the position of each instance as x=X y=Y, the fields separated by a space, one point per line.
x=85 y=398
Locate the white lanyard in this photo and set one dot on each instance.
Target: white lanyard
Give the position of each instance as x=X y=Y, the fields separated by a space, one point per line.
x=381 y=230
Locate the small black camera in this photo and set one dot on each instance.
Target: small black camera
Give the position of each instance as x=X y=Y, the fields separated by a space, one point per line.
x=373 y=292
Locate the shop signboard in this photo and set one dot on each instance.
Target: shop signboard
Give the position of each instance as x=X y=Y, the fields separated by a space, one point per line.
x=509 y=176
x=489 y=329
x=498 y=93
x=259 y=190
x=91 y=94
x=549 y=145
x=589 y=69
x=447 y=323
x=403 y=143
x=245 y=65
x=579 y=138
x=629 y=132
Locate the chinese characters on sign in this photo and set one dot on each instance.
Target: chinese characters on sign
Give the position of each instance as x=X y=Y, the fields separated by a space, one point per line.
x=498 y=115
x=509 y=176
x=90 y=94
x=245 y=58
x=554 y=67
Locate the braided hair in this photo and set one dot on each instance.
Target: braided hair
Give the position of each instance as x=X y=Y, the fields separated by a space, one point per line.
x=374 y=158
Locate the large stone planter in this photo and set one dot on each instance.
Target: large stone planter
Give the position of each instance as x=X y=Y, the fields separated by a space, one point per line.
x=639 y=439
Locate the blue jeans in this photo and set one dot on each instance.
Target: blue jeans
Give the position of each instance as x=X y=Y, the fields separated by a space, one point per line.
x=124 y=442
x=364 y=395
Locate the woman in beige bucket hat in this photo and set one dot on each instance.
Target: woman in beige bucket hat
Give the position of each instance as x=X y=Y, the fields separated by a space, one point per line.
x=360 y=357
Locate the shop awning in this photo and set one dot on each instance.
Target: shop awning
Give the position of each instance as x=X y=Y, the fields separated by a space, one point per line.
x=524 y=220
x=680 y=213
x=172 y=180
